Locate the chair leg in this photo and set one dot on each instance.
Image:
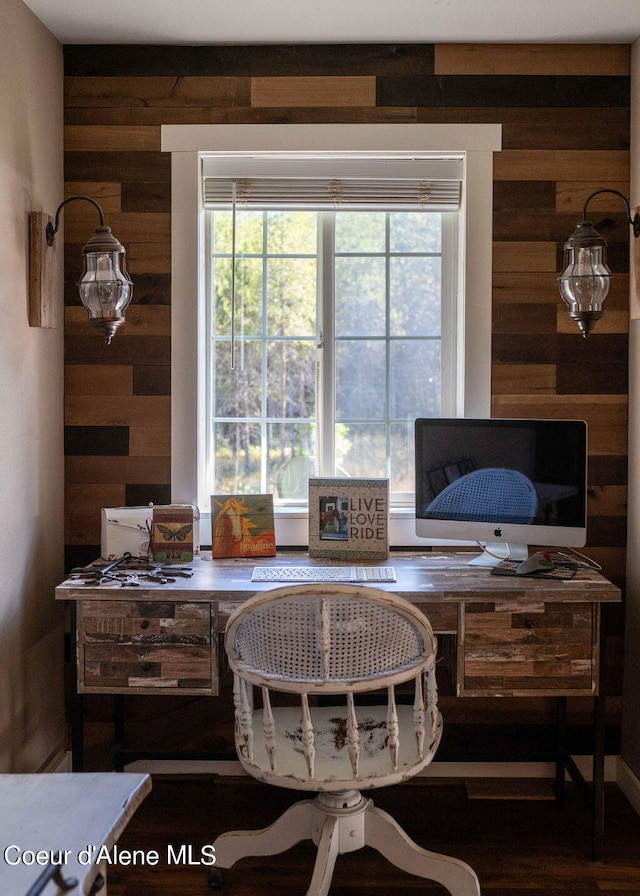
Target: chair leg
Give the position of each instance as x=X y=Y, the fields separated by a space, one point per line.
x=328 y=851
x=293 y=826
x=383 y=833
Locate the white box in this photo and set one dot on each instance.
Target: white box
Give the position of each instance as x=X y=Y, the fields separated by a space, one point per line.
x=129 y=529
x=125 y=529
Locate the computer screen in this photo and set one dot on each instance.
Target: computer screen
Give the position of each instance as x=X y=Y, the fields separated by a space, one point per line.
x=502 y=483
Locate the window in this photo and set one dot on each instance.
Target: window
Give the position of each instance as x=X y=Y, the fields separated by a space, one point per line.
x=342 y=329
x=350 y=403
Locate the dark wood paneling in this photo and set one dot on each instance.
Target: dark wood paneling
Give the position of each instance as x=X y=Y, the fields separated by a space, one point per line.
x=80 y=555
x=86 y=469
x=534 y=196
x=245 y=115
x=149 y=92
x=600 y=368
x=152 y=289
x=503 y=90
x=259 y=61
x=91 y=349
x=527 y=349
x=147 y=197
x=137 y=495
x=152 y=380
x=607 y=531
x=98 y=440
x=523 y=319
x=128 y=167
x=609 y=130
x=611 y=469
x=541 y=225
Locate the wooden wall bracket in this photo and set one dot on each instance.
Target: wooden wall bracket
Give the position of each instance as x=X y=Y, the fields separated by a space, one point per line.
x=44 y=270
x=634 y=274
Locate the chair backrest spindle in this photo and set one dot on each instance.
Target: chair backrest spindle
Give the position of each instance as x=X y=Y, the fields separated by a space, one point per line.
x=243 y=714
x=393 y=730
x=324 y=626
x=269 y=728
x=353 y=734
x=418 y=713
x=308 y=744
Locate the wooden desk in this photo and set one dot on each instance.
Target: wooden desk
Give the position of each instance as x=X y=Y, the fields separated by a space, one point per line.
x=56 y=818
x=503 y=636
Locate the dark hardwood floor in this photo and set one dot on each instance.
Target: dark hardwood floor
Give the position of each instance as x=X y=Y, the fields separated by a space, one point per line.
x=515 y=837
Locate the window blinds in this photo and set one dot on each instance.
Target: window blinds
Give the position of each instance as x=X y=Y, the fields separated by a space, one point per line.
x=337 y=184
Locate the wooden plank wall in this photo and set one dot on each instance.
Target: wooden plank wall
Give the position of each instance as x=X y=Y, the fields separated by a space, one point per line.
x=565 y=117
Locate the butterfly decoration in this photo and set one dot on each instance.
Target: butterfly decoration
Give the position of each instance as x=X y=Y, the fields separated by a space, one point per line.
x=169 y=534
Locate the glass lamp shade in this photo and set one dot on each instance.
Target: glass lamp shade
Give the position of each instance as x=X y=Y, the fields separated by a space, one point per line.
x=105 y=286
x=584 y=282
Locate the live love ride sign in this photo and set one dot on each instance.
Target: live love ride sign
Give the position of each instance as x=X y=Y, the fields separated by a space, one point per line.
x=349 y=519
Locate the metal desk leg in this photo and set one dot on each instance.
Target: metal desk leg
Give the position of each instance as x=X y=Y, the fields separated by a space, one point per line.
x=77 y=733
x=118 y=731
x=561 y=748
x=77 y=709
x=598 y=777
x=593 y=793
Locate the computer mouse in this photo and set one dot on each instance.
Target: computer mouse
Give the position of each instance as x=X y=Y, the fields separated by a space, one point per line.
x=535 y=563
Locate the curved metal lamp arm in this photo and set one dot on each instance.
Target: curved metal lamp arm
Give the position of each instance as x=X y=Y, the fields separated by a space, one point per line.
x=635 y=221
x=52 y=229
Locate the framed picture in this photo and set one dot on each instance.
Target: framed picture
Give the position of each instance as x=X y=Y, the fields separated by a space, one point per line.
x=172 y=533
x=242 y=526
x=349 y=519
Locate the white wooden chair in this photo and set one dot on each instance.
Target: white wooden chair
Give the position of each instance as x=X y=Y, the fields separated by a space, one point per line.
x=325 y=644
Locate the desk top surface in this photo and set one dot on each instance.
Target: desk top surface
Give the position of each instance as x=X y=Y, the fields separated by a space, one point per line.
x=431 y=576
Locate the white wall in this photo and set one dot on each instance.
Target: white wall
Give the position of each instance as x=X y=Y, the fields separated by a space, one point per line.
x=631 y=703
x=31 y=403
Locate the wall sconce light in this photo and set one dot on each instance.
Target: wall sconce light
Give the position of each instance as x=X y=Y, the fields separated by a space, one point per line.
x=105 y=286
x=584 y=282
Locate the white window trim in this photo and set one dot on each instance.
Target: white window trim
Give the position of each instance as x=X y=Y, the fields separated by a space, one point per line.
x=188 y=142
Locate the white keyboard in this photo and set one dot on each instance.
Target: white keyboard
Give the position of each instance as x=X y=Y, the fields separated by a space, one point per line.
x=371 y=574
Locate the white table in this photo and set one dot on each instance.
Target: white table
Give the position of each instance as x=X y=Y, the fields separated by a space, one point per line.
x=70 y=817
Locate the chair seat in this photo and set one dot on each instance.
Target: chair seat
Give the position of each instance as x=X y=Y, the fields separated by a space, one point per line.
x=332 y=770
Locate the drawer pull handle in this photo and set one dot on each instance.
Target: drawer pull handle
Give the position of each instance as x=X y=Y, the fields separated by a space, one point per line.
x=528 y=624
x=144 y=623
x=146 y=667
x=52 y=872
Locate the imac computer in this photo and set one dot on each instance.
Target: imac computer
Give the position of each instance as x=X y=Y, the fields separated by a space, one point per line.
x=503 y=484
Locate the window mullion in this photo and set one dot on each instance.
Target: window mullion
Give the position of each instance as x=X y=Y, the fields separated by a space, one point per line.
x=387 y=355
x=264 y=422
x=208 y=463
x=325 y=435
x=452 y=334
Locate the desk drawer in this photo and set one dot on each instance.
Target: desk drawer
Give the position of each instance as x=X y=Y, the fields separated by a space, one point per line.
x=536 y=649
x=146 y=647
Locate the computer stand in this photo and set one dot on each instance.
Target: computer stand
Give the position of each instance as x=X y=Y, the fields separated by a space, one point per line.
x=495 y=552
